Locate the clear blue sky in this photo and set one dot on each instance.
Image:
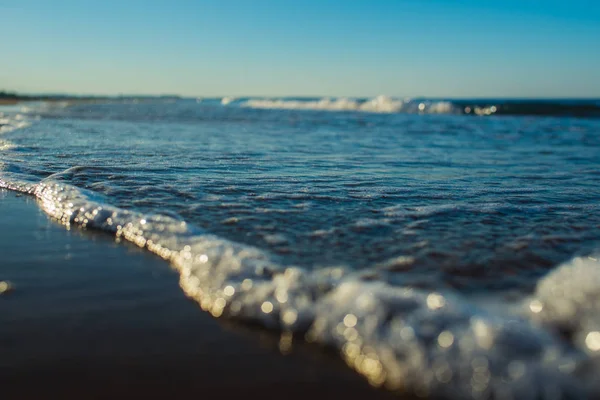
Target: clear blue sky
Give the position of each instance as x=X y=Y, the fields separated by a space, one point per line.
x=453 y=48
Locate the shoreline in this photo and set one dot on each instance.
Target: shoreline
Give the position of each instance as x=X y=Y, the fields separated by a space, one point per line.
x=92 y=318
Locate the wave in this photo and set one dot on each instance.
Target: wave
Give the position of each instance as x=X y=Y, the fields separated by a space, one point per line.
x=389 y=105
x=406 y=339
x=227 y=100
x=11 y=122
x=380 y=104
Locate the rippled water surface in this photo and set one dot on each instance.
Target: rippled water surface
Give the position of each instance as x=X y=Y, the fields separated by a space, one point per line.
x=473 y=203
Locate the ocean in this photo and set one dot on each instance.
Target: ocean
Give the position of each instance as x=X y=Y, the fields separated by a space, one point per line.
x=441 y=247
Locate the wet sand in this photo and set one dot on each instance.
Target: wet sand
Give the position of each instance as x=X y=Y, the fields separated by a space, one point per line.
x=91 y=318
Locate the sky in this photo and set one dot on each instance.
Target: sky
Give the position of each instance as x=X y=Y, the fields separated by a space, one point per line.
x=433 y=48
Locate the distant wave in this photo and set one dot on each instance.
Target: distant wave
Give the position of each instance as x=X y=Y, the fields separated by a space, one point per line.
x=389 y=105
x=227 y=100
x=11 y=122
x=379 y=104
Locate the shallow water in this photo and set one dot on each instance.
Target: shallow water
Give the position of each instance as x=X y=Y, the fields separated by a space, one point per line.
x=289 y=215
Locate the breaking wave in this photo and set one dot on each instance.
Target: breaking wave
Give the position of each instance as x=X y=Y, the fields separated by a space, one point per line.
x=11 y=122
x=389 y=105
x=380 y=104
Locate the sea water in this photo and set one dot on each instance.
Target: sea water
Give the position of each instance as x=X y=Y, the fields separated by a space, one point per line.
x=444 y=248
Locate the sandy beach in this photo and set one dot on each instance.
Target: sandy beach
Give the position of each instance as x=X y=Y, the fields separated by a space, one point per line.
x=91 y=318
